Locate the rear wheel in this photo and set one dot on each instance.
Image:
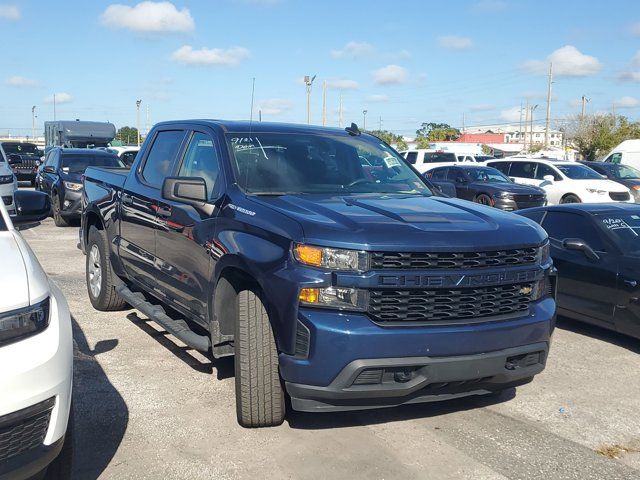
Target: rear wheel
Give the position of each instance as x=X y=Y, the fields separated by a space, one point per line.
x=56 y=205
x=260 y=398
x=484 y=200
x=571 y=198
x=101 y=280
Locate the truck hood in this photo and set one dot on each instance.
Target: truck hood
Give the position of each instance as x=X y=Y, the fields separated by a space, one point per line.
x=404 y=222
x=14 y=282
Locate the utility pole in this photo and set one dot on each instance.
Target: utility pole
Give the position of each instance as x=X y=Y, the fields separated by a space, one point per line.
x=54 y=106
x=308 y=81
x=531 y=120
x=520 y=125
x=463 y=123
x=324 y=103
x=548 y=119
x=260 y=115
x=340 y=112
x=148 y=126
x=526 y=125
x=138 y=102
x=584 y=107
x=364 y=120
x=613 y=112
x=380 y=123
x=33 y=122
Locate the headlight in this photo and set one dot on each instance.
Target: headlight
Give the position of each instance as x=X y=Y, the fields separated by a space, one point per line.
x=335 y=297
x=24 y=322
x=74 y=187
x=544 y=254
x=596 y=191
x=6 y=179
x=503 y=195
x=331 y=258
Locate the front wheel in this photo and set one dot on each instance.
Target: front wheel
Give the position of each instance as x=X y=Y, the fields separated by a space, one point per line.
x=259 y=393
x=58 y=219
x=484 y=200
x=101 y=280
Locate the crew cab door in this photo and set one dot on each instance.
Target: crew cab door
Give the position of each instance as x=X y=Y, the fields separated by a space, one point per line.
x=587 y=288
x=627 y=316
x=185 y=234
x=139 y=204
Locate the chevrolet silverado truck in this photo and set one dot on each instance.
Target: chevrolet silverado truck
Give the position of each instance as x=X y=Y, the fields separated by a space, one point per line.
x=335 y=285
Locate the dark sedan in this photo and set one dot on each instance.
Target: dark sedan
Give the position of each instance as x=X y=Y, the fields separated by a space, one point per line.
x=624 y=174
x=596 y=249
x=487 y=185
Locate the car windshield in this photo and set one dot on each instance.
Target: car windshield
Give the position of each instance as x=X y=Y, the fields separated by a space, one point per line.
x=20 y=148
x=486 y=174
x=625 y=229
x=436 y=157
x=79 y=163
x=284 y=163
x=623 y=172
x=578 y=172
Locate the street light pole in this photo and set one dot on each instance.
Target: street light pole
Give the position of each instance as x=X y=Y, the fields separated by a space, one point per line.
x=364 y=120
x=33 y=122
x=531 y=119
x=548 y=118
x=308 y=81
x=138 y=102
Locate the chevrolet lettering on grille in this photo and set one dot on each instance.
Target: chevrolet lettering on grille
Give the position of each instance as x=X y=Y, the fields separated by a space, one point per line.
x=446 y=281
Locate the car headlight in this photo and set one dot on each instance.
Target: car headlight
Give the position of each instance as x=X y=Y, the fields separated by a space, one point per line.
x=597 y=191
x=334 y=297
x=544 y=254
x=6 y=179
x=331 y=258
x=23 y=322
x=503 y=195
x=74 y=187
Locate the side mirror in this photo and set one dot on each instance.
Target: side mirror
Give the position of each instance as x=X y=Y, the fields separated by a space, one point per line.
x=31 y=207
x=189 y=190
x=461 y=180
x=49 y=169
x=582 y=246
x=14 y=159
x=548 y=178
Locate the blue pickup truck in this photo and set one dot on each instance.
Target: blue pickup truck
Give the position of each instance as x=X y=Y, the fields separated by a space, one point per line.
x=338 y=282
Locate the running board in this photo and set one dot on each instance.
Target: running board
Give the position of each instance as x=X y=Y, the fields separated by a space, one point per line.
x=177 y=328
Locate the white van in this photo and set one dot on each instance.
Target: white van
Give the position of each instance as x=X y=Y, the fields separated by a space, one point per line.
x=627 y=153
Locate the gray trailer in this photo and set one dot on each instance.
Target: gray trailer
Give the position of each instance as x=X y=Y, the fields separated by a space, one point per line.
x=78 y=134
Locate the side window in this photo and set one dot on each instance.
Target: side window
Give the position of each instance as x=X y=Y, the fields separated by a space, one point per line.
x=522 y=169
x=561 y=225
x=544 y=170
x=502 y=166
x=201 y=160
x=439 y=174
x=412 y=157
x=161 y=156
x=454 y=174
x=128 y=158
x=615 y=158
x=536 y=216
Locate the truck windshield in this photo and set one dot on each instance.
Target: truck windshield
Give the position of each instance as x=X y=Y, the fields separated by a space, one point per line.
x=438 y=157
x=287 y=163
x=79 y=163
x=20 y=148
x=625 y=228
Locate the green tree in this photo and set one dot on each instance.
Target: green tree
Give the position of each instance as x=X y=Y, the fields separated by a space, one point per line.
x=390 y=138
x=435 y=132
x=127 y=135
x=594 y=135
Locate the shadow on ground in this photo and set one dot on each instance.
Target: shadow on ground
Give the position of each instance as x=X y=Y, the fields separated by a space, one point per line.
x=101 y=414
x=598 y=333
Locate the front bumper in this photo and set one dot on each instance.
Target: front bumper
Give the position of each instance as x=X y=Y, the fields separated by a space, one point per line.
x=510 y=205
x=72 y=205
x=442 y=361
x=6 y=196
x=37 y=370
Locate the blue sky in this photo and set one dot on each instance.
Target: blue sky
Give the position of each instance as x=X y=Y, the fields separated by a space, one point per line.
x=405 y=62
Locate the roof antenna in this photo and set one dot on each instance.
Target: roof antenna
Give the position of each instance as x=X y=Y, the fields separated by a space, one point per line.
x=253 y=90
x=353 y=130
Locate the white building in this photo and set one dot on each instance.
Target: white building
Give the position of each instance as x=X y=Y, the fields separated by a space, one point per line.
x=513 y=134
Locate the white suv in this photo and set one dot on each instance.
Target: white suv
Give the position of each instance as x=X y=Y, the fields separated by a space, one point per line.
x=8 y=183
x=564 y=182
x=424 y=159
x=36 y=356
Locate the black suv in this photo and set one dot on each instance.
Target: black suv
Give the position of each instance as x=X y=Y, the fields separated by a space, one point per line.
x=61 y=178
x=29 y=155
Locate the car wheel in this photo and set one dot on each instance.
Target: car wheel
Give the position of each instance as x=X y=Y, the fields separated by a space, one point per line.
x=571 y=198
x=101 y=280
x=260 y=398
x=484 y=200
x=60 y=468
x=58 y=219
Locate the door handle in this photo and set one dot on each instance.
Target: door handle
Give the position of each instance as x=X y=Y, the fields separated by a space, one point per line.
x=127 y=199
x=631 y=283
x=161 y=211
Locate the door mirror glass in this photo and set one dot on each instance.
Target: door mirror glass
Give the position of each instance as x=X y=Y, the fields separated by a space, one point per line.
x=49 y=169
x=14 y=159
x=582 y=246
x=31 y=207
x=189 y=190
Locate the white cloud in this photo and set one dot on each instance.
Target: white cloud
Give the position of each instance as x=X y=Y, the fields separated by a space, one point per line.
x=342 y=84
x=148 y=17
x=20 y=82
x=210 y=56
x=629 y=76
x=390 y=75
x=274 y=106
x=511 y=114
x=60 y=98
x=377 y=98
x=455 y=42
x=627 y=102
x=567 y=61
x=9 y=12
x=353 y=50
x=482 y=107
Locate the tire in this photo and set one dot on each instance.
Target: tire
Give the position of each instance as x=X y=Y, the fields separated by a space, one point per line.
x=60 y=468
x=571 y=198
x=56 y=207
x=100 y=278
x=260 y=398
x=484 y=199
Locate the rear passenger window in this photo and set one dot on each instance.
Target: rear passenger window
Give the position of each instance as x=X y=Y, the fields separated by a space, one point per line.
x=201 y=160
x=562 y=225
x=412 y=157
x=502 y=166
x=439 y=174
x=544 y=170
x=161 y=156
x=522 y=169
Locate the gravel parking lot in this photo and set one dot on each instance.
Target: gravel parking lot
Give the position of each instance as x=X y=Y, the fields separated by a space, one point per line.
x=147 y=407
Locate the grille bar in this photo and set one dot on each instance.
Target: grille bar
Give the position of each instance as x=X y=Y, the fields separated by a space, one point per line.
x=449 y=305
x=619 y=196
x=446 y=260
